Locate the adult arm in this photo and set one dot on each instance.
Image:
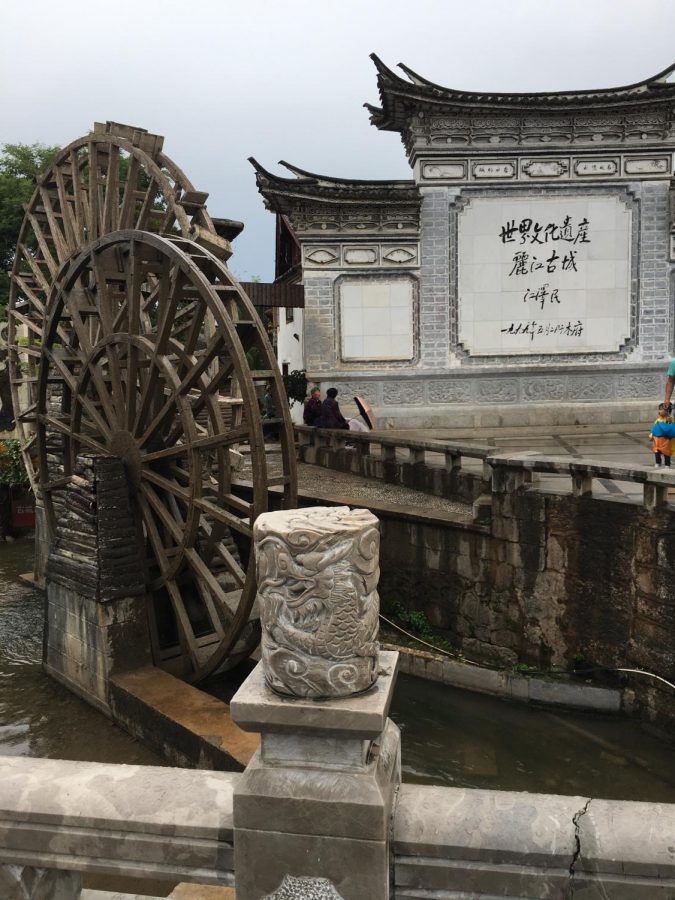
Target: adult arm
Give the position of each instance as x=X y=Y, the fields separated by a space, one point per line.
x=670 y=382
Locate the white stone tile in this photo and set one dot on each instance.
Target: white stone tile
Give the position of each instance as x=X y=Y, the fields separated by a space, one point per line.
x=375 y=322
x=352 y=322
x=352 y=347
x=376 y=295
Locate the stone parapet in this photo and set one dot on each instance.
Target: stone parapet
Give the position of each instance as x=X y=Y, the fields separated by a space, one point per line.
x=60 y=818
x=137 y=821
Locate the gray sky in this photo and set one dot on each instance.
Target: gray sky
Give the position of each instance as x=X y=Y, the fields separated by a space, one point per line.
x=226 y=80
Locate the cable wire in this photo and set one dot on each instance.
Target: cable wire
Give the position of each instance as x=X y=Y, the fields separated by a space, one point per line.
x=471 y=662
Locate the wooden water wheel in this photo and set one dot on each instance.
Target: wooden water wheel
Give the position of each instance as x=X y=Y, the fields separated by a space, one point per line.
x=140 y=345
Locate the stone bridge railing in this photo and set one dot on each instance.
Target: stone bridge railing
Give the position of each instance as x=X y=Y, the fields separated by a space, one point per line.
x=59 y=819
x=416 y=463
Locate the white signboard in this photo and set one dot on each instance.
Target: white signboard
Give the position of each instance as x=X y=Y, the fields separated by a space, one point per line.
x=544 y=275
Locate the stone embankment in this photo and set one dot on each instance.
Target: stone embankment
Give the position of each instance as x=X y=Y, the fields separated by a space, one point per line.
x=539 y=577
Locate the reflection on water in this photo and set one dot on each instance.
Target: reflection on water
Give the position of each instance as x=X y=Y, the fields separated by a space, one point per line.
x=39 y=717
x=451 y=737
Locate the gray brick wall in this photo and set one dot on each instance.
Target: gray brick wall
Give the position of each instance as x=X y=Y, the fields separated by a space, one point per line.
x=434 y=278
x=320 y=324
x=655 y=310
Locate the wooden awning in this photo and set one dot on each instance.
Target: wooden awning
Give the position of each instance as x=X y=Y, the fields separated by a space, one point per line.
x=276 y=294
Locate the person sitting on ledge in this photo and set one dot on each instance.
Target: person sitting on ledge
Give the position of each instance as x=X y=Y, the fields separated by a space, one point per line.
x=312 y=411
x=331 y=417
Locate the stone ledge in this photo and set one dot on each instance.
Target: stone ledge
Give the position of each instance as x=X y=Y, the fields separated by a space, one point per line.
x=528 y=689
x=185 y=725
x=255 y=707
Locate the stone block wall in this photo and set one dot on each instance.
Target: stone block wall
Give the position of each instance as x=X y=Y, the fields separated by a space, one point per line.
x=554 y=580
x=96 y=618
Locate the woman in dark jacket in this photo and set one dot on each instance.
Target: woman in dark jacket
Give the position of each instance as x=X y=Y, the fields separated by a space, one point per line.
x=331 y=417
x=312 y=411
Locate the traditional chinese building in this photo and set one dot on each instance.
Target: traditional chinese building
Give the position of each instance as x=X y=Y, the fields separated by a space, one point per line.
x=525 y=271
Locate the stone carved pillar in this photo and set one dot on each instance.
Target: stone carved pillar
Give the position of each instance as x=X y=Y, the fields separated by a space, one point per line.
x=313 y=810
x=319 y=608
x=29 y=883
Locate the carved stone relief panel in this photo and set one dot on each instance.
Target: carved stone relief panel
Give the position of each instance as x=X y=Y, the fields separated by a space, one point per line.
x=433 y=171
x=635 y=387
x=498 y=169
x=596 y=167
x=360 y=256
x=400 y=256
x=317 y=573
x=402 y=393
x=454 y=391
x=591 y=387
x=545 y=168
x=543 y=389
x=496 y=390
x=321 y=256
x=648 y=166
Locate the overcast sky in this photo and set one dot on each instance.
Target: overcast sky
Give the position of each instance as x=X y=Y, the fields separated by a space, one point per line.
x=224 y=80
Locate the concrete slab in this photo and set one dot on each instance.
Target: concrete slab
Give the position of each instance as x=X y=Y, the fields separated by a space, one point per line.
x=202 y=892
x=190 y=728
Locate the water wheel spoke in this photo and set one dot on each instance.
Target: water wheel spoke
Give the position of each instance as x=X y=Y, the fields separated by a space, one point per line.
x=111 y=197
x=192 y=376
x=206 y=577
x=126 y=214
x=88 y=407
x=52 y=264
x=79 y=212
x=216 y=512
x=67 y=215
x=204 y=443
x=57 y=236
x=216 y=545
x=186 y=634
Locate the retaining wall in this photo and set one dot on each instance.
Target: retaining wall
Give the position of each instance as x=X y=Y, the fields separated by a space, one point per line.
x=538 y=578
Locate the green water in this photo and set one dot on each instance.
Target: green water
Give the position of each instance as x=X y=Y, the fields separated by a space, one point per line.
x=452 y=737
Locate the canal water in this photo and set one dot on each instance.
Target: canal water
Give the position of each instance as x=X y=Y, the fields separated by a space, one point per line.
x=39 y=717
x=456 y=738
x=450 y=737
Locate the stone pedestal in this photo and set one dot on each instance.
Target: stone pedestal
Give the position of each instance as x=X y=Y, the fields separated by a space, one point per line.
x=96 y=619
x=316 y=800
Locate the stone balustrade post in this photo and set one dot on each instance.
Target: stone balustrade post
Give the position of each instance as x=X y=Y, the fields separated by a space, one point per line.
x=415 y=455
x=453 y=460
x=654 y=495
x=312 y=812
x=582 y=485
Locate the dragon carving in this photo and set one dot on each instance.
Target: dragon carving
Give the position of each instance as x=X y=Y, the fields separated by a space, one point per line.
x=317 y=587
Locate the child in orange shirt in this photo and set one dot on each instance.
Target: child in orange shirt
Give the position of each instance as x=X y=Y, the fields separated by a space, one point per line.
x=662 y=446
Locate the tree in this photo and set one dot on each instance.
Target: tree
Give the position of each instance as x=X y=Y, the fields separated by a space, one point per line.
x=20 y=164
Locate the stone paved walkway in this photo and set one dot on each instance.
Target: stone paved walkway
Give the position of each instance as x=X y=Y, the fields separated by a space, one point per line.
x=353 y=490
x=624 y=446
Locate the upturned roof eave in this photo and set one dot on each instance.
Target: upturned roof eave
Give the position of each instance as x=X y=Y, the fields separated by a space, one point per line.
x=282 y=193
x=401 y=98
